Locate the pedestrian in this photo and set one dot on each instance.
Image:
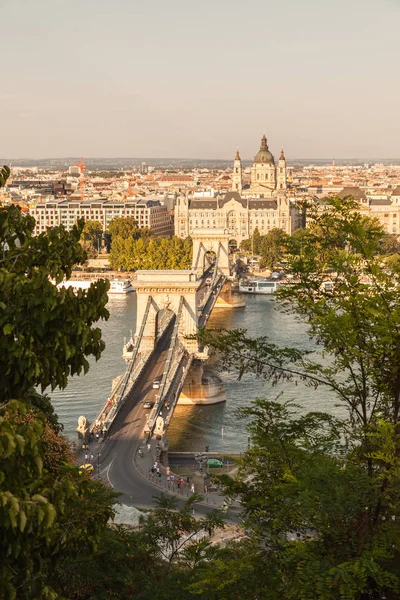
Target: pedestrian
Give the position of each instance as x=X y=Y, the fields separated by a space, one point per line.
x=155 y=464
x=159 y=474
x=97 y=436
x=152 y=470
x=92 y=457
x=167 y=469
x=158 y=470
x=172 y=479
x=86 y=457
x=179 y=483
x=205 y=489
x=148 y=447
x=141 y=453
x=192 y=488
x=168 y=478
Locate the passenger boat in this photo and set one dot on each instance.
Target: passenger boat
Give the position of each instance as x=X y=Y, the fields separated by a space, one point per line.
x=117 y=286
x=258 y=286
x=120 y=286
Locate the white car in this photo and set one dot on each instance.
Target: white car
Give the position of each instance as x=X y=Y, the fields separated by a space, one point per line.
x=157 y=383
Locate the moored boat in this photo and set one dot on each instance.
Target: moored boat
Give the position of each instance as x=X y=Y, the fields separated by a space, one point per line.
x=117 y=286
x=258 y=286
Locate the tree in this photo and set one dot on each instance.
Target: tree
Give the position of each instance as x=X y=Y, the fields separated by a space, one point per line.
x=47 y=332
x=272 y=247
x=151 y=253
x=340 y=500
x=124 y=227
x=92 y=234
x=253 y=244
x=47 y=509
x=312 y=508
x=392 y=262
x=389 y=244
x=127 y=563
x=4 y=175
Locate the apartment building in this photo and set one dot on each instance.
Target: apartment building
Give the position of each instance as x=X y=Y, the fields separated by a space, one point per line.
x=147 y=212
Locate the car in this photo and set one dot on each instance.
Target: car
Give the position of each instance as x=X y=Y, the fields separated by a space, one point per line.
x=214 y=462
x=208 y=280
x=87 y=468
x=148 y=404
x=157 y=383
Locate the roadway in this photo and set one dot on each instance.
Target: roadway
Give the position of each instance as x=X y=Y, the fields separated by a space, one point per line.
x=118 y=451
x=115 y=456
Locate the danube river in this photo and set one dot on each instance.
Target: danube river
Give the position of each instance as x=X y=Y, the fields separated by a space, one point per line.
x=194 y=427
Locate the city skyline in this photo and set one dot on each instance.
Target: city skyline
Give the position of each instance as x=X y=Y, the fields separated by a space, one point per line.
x=184 y=80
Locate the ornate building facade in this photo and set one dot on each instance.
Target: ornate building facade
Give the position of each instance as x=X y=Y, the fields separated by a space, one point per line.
x=264 y=204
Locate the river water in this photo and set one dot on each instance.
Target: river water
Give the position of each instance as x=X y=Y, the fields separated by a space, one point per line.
x=194 y=427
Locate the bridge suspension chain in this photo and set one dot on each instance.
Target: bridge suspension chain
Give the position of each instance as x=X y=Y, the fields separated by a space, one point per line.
x=174 y=339
x=135 y=351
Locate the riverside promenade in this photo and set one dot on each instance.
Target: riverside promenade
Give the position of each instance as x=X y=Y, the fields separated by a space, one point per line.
x=140 y=488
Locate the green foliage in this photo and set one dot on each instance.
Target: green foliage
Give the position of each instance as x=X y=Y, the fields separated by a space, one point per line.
x=47 y=332
x=151 y=253
x=45 y=516
x=4 y=175
x=326 y=525
x=92 y=234
x=392 y=263
x=271 y=247
x=356 y=321
x=157 y=561
x=389 y=244
x=125 y=228
x=323 y=497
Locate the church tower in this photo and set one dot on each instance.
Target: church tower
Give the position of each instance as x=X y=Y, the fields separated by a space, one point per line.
x=281 y=172
x=263 y=171
x=237 y=174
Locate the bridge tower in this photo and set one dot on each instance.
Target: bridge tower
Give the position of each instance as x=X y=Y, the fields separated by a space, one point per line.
x=210 y=241
x=163 y=290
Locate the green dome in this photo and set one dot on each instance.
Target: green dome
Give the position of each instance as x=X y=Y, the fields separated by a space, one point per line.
x=264 y=155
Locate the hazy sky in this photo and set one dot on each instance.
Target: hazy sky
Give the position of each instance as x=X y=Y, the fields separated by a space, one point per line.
x=197 y=78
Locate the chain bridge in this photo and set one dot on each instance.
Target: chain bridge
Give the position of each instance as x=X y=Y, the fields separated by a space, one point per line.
x=171 y=306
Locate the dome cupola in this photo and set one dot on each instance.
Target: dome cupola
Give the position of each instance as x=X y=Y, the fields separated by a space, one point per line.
x=264 y=155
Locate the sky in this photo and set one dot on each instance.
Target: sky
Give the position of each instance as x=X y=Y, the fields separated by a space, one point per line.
x=199 y=78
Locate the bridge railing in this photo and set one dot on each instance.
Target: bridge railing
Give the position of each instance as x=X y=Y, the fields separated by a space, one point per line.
x=211 y=300
x=176 y=383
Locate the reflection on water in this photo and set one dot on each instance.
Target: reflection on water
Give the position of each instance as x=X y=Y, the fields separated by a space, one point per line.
x=194 y=427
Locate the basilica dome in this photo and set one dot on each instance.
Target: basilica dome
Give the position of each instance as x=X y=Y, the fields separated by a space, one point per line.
x=264 y=155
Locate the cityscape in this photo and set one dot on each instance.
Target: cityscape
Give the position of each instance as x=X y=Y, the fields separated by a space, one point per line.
x=200 y=301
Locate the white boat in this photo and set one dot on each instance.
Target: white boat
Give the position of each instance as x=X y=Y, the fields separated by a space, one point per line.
x=120 y=286
x=117 y=286
x=258 y=286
